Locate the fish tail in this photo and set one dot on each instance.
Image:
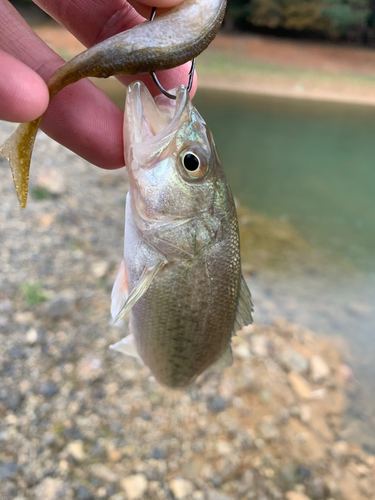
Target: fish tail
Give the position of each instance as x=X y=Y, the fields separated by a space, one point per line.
x=17 y=149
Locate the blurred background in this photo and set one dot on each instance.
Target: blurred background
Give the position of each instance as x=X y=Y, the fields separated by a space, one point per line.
x=288 y=90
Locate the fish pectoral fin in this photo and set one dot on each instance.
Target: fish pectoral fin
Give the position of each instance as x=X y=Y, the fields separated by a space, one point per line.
x=140 y=289
x=127 y=346
x=120 y=291
x=226 y=359
x=244 y=308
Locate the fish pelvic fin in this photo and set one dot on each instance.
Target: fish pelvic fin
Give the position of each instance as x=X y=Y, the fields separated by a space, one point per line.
x=140 y=289
x=17 y=149
x=244 y=307
x=127 y=346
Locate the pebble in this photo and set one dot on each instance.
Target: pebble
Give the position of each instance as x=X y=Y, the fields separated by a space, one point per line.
x=319 y=369
x=31 y=336
x=75 y=450
x=24 y=317
x=90 y=368
x=59 y=306
x=135 y=486
x=296 y=495
x=268 y=430
x=50 y=489
x=216 y=404
x=14 y=400
x=104 y=473
x=292 y=360
x=259 y=344
x=83 y=493
x=299 y=385
x=48 y=389
x=100 y=269
x=181 y=488
x=8 y=470
x=217 y=495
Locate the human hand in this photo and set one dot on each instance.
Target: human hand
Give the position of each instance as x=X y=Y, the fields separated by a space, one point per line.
x=80 y=117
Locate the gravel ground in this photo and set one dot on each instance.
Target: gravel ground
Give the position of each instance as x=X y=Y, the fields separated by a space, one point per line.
x=78 y=421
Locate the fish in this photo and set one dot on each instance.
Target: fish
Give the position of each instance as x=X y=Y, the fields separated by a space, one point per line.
x=170 y=40
x=180 y=277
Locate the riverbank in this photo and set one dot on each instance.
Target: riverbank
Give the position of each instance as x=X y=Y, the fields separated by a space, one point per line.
x=268 y=66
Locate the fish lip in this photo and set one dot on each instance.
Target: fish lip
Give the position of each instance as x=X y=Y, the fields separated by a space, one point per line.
x=137 y=98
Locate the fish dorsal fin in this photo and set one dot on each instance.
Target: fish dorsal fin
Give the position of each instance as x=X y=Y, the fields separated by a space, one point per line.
x=226 y=359
x=140 y=288
x=244 y=307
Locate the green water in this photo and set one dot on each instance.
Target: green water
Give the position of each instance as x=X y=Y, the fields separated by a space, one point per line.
x=311 y=163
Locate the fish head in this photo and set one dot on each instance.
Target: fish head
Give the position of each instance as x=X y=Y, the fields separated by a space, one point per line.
x=176 y=178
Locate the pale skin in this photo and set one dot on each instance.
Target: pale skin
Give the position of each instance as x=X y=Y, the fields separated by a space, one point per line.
x=80 y=117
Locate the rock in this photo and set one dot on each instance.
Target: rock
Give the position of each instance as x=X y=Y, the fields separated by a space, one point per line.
x=340 y=450
x=319 y=369
x=135 y=486
x=242 y=351
x=181 y=488
x=83 y=493
x=100 y=269
x=17 y=353
x=268 y=429
x=259 y=344
x=89 y=368
x=296 y=495
x=50 y=489
x=291 y=360
x=305 y=414
x=158 y=454
x=52 y=181
x=31 y=336
x=24 y=318
x=8 y=470
x=48 y=389
x=216 y=404
x=59 y=306
x=299 y=385
x=75 y=450
x=14 y=400
x=104 y=473
x=217 y=495
x=223 y=447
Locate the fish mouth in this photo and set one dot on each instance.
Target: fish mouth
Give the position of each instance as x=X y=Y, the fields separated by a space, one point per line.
x=150 y=124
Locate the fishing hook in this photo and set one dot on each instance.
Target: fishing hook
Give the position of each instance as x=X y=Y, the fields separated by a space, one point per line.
x=155 y=78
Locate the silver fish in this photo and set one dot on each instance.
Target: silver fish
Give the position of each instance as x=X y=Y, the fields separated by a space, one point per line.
x=181 y=275
x=172 y=39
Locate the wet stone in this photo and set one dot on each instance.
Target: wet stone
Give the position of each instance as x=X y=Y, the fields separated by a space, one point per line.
x=48 y=389
x=17 y=353
x=216 y=404
x=8 y=470
x=83 y=493
x=14 y=400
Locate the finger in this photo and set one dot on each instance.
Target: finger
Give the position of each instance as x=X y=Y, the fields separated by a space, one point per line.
x=81 y=117
x=145 y=7
x=23 y=93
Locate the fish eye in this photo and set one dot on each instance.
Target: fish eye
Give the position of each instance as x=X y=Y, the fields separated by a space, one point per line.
x=195 y=163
